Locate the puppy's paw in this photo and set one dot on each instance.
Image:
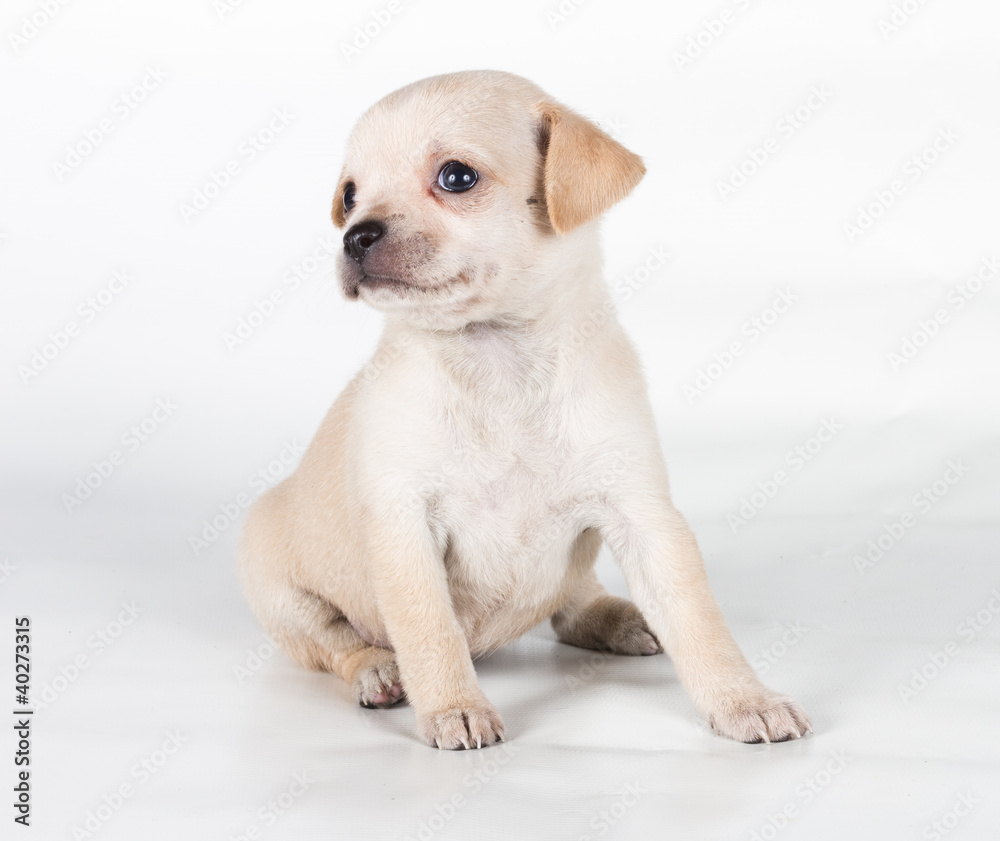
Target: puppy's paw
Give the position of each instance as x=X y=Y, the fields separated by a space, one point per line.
x=608 y=624
x=377 y=682
x=472 y=726
x=633 y=636
x=760 y=717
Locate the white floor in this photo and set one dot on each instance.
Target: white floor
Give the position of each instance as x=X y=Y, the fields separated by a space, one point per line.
x=598 y=746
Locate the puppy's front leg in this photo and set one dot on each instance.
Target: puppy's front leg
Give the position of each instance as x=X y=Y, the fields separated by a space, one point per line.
x=665 y=574
x=411 y=590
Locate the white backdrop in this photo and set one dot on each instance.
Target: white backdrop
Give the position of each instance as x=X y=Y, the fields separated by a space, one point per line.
x=811 y=272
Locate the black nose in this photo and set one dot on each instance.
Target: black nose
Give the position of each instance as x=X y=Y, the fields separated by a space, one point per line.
x=360 y=238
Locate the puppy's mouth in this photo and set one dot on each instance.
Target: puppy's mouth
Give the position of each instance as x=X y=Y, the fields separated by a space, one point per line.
x=393 y=285
x=377 y=282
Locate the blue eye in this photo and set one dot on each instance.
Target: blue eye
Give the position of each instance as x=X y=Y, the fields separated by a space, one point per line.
x=349 y=192
x=456 y=177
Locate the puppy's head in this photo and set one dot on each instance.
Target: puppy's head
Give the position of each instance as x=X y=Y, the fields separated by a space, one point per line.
x=459 y=194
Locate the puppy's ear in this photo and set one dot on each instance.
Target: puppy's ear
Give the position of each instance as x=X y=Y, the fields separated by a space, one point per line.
x=585 y=170
x=337 y=212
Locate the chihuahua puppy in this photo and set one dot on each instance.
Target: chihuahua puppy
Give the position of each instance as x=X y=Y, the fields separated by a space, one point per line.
x=459 y=489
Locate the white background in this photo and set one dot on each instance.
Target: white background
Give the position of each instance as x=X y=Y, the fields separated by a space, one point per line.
x=582 y=728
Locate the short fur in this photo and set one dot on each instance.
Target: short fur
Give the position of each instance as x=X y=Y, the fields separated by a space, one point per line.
x=460 y=487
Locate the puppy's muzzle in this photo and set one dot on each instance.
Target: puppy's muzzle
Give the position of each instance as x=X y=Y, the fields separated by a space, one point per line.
x=360 y=238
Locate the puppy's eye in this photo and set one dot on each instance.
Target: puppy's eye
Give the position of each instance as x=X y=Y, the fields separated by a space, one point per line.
x=456 y=177
x=349 y=192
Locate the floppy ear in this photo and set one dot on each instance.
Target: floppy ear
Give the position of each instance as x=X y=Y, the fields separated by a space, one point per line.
x=337 y=211
x=585 y=170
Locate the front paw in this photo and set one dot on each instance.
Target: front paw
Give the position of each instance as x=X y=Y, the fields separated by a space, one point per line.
x=470 y=726
x=762 y=716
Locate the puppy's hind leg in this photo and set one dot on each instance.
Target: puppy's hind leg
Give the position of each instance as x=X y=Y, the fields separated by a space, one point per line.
x=321 y=638
x=593 y=618
x=310 y=628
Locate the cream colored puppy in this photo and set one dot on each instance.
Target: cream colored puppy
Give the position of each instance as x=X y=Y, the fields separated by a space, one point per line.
x=460 y=487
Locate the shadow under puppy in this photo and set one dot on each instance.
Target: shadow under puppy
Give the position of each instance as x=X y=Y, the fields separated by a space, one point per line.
x=459 y=489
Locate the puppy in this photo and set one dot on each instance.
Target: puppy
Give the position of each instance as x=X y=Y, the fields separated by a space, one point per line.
x=459 y=489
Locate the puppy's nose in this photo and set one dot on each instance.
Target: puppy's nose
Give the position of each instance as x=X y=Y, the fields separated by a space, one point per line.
x=360 y=238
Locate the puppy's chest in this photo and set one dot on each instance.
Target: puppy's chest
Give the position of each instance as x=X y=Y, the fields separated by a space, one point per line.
x=511 y=497
x=517 y=473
